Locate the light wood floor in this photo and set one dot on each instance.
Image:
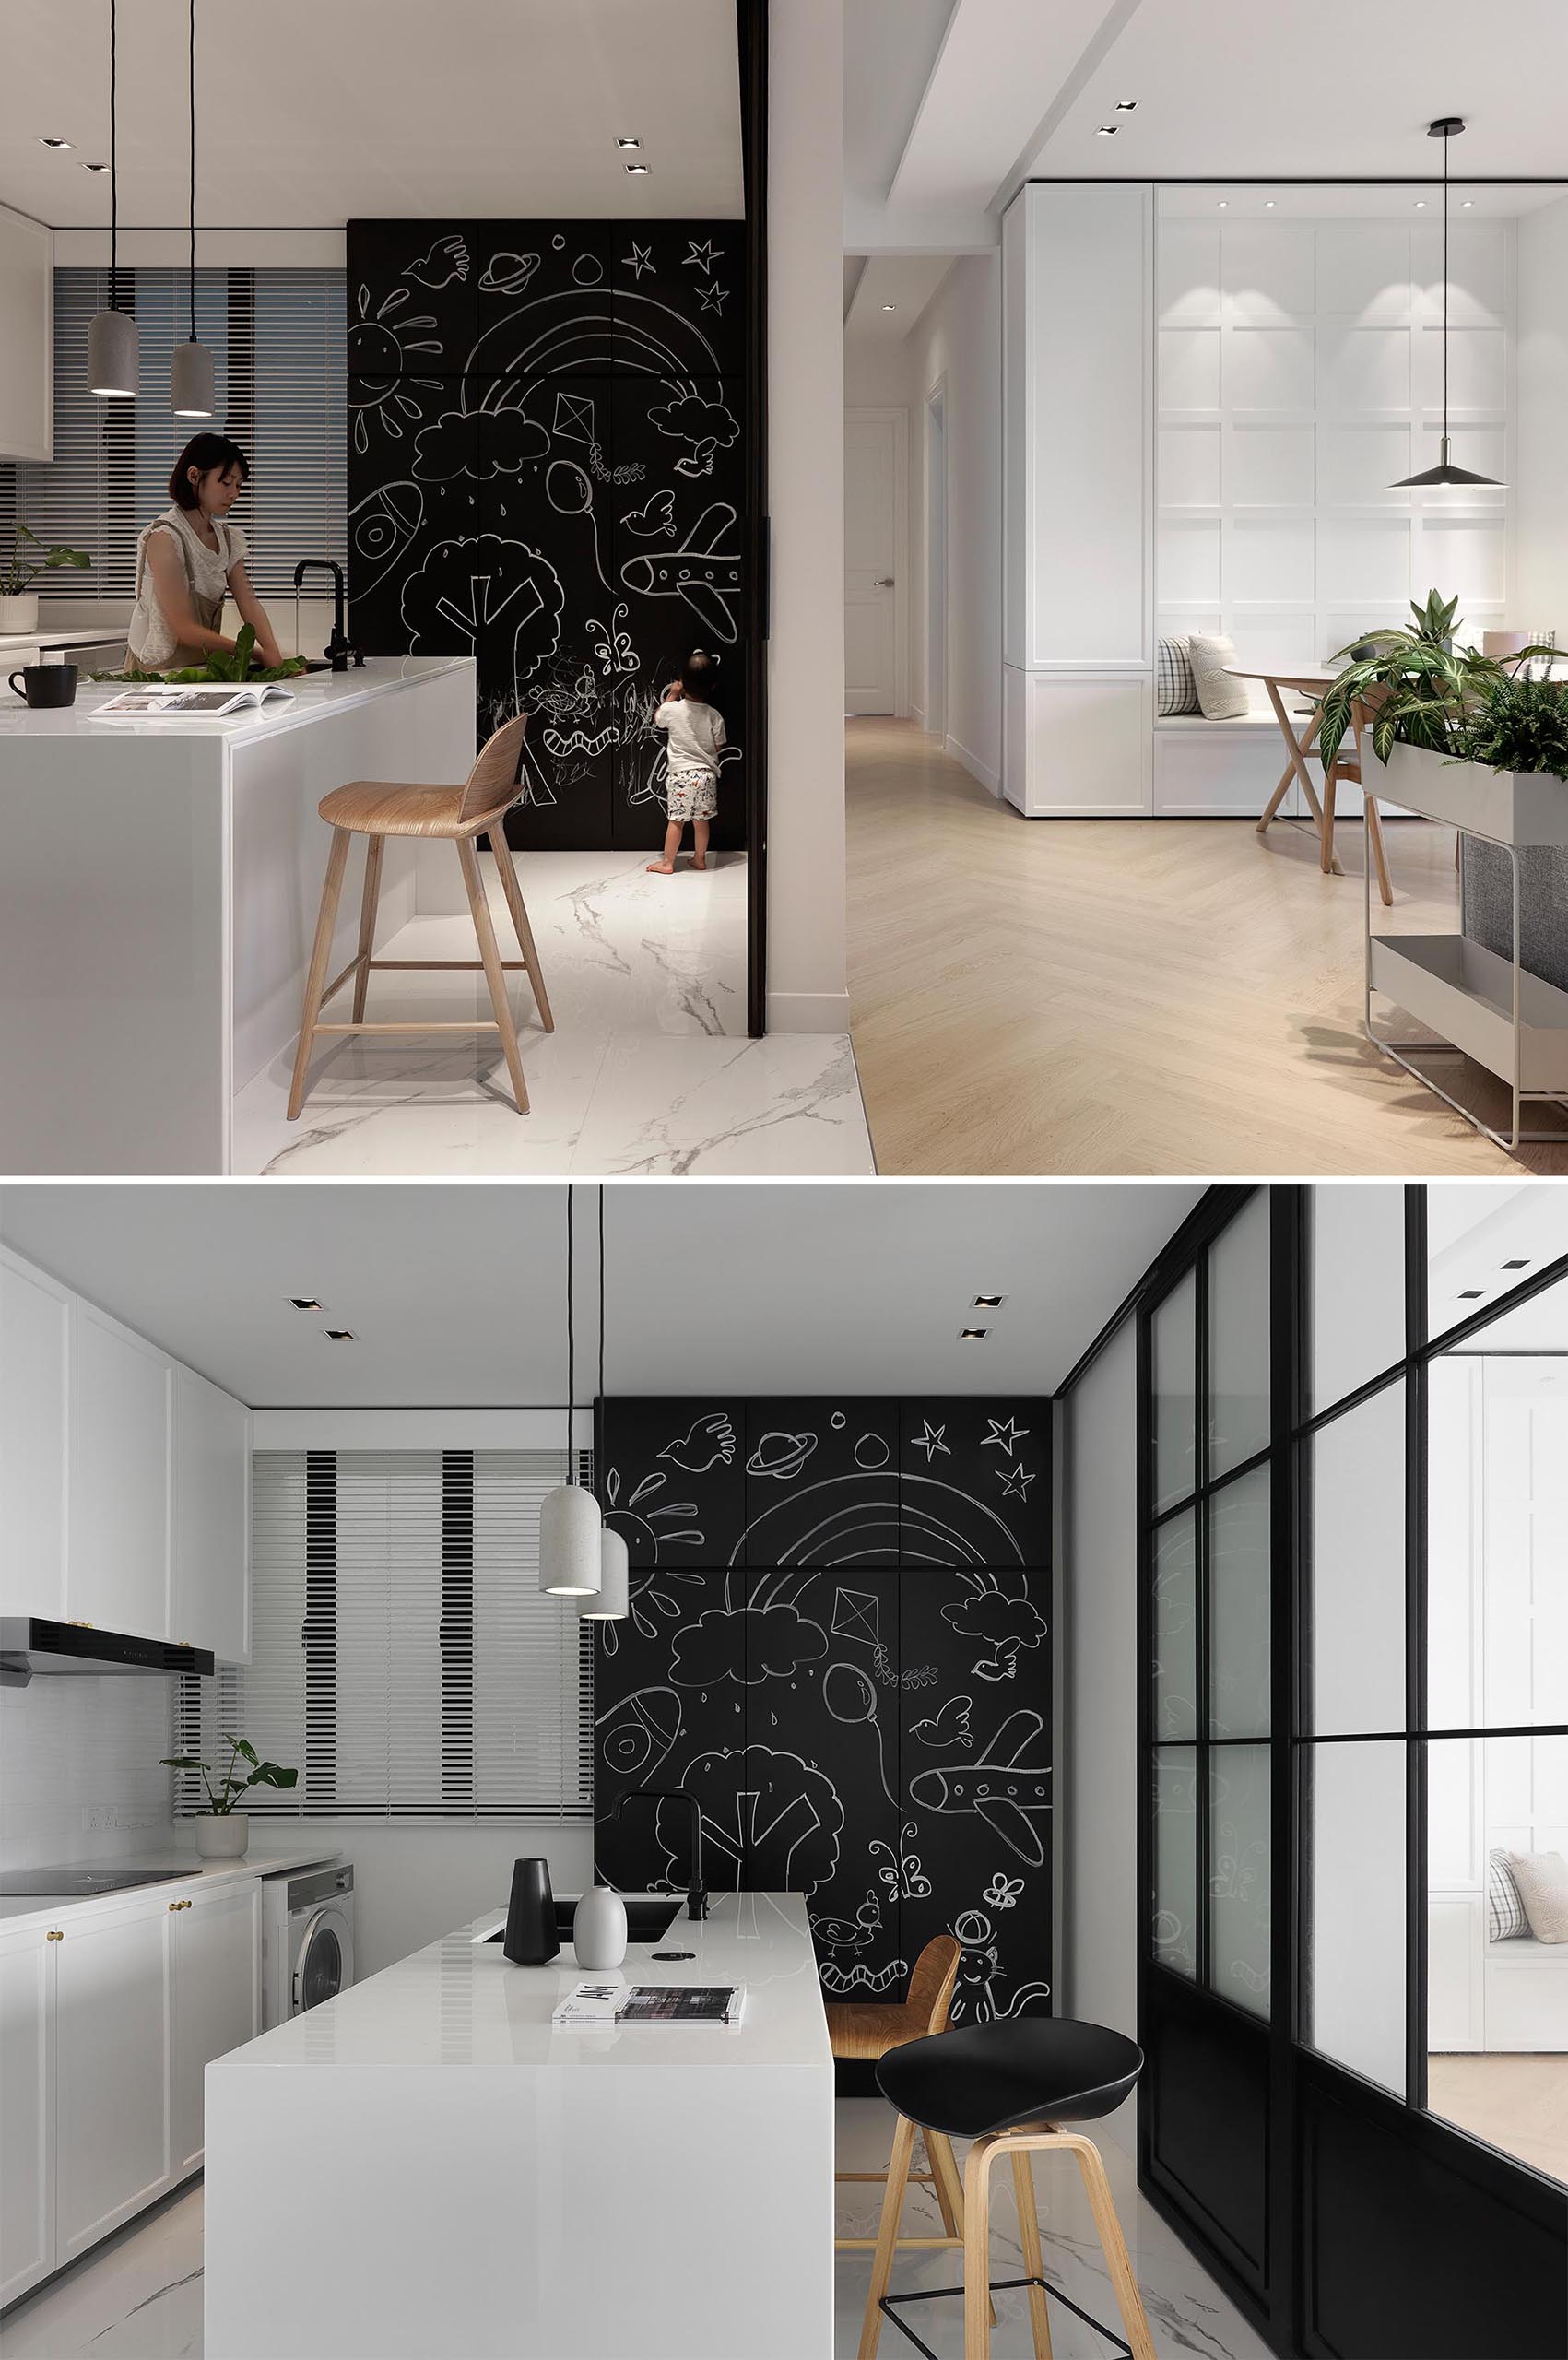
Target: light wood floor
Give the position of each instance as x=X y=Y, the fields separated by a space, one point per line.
x=1519 y=2104
x=1170 y=995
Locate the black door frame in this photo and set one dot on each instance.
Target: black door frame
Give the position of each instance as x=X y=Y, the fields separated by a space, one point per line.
x=751 y=33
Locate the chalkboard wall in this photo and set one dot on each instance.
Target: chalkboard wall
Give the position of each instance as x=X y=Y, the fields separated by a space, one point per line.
x=547 y=450
x=839 y=1642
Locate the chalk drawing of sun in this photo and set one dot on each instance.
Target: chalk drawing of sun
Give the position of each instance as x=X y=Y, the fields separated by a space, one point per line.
x=638 y=1521
x=381 y=345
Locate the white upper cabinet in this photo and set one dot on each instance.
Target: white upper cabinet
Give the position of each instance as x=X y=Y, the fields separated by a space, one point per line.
x=212 y=1471
x=36 y=1319
x=27 y=338
x=118 y=1575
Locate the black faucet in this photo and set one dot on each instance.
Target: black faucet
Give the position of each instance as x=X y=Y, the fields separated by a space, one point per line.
x=339 y=649
x=696 y=1892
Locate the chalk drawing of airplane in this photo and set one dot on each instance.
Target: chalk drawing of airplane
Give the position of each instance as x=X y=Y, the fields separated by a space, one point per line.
x=1005 y=1791
x=704 y=572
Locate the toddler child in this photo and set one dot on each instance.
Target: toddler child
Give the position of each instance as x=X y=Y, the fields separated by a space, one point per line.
x=691 y=770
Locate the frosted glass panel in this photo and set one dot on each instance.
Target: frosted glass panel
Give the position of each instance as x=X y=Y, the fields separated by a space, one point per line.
x=1358 y=1567
x=1174 y=1389
x=1355 y=1995
x=1238 y=1338
x=1239 y=1564
x=1175 y=1630
x=1175 y=1861
x=1239 y=1853
x=1357 y=1286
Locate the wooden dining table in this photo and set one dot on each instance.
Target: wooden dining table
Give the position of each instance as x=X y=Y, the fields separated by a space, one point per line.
x=1312 y=680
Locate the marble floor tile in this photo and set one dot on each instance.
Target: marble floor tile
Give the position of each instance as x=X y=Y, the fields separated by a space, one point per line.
x=139 y=2298
x=789 y=1103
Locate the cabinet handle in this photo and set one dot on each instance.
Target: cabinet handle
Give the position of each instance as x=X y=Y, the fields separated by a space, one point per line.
x=173 y=1907
x=52 y=1937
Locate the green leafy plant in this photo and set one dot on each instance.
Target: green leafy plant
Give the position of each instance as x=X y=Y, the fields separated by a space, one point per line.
x=1420 y=688
x=222 y=1798
x=24 y=565
x=221 y=664
x=1523 y=726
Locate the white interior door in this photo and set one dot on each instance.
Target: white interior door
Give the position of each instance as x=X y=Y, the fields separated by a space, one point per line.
x=874 y=447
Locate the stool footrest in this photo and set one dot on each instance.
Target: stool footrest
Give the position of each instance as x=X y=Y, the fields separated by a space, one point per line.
x=998 y=2286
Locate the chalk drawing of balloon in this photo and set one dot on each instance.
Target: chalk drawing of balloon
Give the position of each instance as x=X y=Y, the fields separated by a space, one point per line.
x=848 y=1693
x=871 y=1452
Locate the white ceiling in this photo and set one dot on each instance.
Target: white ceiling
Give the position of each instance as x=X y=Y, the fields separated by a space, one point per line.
x=312 y=114
x=907 y=282
x=456 y=1294
x=1473 y=1229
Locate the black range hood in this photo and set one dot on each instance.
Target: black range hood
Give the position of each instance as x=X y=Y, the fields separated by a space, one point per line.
x=29 y=1645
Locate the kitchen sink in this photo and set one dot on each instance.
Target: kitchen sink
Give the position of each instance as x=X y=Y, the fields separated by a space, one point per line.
x=649 y=1917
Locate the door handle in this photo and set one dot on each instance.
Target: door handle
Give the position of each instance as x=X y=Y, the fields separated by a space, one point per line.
x=886 y=583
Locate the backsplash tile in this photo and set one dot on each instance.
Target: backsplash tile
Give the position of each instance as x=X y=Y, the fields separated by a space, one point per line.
x=74 y=1751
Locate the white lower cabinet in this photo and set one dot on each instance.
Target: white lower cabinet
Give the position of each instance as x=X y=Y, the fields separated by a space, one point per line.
x=26 y=2113
x=108 y=2024
x=216 y=2001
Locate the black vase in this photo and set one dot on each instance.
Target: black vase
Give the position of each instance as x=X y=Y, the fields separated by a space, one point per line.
x=530 y=1916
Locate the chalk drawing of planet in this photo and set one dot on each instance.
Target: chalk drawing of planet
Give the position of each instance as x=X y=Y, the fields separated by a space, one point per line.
x=783 y=1456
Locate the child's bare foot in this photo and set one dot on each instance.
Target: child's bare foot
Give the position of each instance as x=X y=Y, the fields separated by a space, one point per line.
x=698 y=861
x=661 y=868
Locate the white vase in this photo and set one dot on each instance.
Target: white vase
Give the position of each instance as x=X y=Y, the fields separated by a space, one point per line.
x=19 y=613
x=598 y=1930
x=223 y=1836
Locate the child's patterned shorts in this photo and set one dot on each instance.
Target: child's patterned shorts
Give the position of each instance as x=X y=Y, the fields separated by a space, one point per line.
x=690 y=795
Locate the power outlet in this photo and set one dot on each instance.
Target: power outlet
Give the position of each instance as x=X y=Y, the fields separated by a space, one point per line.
x=99 y=1818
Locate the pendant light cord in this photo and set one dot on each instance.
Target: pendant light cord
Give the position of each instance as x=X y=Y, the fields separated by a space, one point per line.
x=113 y=169
x=601 y=1290
x=193 y=170
x=1448 y=143
x=570 y=1348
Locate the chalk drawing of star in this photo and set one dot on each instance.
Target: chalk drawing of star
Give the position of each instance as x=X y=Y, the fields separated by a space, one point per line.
x=1015 y=1483
x=931 y=1442
x=1004 y=1437
x=639 y=260
x=714 y=298
x=703 y=256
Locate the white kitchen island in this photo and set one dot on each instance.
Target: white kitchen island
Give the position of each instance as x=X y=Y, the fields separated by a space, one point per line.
x=423 y=2167
x=159 y=889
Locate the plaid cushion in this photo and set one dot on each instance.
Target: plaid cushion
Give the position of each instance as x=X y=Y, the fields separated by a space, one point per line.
x=1175 y=690
x=1504 y=1911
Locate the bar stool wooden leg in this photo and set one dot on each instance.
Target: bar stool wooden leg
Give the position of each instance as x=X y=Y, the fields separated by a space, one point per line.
x=1034 y=2260
x=888 y=2235
x=375 y=847
x=1102 y=2204
x=1375 y=848
x=514 y=902
x=977 y=2250
x=316 y=979
x=495 y=974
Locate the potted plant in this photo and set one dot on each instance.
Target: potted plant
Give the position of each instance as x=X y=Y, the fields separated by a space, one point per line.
x=30 y=557
x=222 y=1833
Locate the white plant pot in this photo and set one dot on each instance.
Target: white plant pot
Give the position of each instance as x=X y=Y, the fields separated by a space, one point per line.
x=19 y=613
x=223 y=1836
x=1519 y=808
x=598 y=1930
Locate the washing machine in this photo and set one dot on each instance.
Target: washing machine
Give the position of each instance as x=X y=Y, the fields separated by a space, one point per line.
x=307 y=1939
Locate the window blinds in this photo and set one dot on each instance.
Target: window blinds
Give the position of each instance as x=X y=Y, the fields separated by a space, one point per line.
x=403 y=1659
x=279 y=338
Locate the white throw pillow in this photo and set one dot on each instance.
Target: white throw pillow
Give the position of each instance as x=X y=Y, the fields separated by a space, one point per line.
x=1542 y=1880
x=1220 y=697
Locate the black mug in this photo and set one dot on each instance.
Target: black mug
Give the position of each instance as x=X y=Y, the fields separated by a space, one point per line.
x=531 y=1939
x=46 y=684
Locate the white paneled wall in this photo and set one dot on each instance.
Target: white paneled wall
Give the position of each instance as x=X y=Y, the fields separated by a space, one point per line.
x=79 y=1774
x=1299 y=373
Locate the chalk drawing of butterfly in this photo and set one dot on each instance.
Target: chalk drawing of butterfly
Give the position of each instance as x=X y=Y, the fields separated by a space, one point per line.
x=1002 y=1893
x=613 y=647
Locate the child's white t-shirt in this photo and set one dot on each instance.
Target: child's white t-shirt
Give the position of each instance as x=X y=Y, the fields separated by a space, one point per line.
x=696 y=734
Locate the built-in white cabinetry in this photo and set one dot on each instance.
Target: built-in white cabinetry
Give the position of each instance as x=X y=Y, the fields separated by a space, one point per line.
x=216 y=2002
x=211 y=1493
x=109 y=2021
x=125 y=1477
x=118 y=1563
x=36 y=1316
x=27 y=338
x=27 y=2116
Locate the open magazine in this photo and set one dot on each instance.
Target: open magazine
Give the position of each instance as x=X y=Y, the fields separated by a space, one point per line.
x=159 y=700
x=601 y=2001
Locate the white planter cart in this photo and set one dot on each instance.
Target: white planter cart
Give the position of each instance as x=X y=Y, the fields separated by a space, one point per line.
x=1485 y=1007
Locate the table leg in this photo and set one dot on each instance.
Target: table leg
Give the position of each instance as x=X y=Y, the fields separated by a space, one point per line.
x=1300 y=748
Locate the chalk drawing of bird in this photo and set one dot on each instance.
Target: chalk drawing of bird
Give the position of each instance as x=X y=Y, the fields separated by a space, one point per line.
x=708 y=1442
x=950 y=1727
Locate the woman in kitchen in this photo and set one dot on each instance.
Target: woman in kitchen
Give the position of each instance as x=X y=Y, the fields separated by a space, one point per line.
x=189 y=559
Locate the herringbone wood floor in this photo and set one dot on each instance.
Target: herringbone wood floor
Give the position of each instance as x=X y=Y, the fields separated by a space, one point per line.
x=1129 y=995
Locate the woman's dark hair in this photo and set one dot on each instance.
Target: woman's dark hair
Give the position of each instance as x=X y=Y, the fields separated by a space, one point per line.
x=204 y=452
x=697 y=675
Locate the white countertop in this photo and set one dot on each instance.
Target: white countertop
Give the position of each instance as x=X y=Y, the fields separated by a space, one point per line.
x=311 y=695
x=462 y=2004
x=80 y=635
x=22 y=1909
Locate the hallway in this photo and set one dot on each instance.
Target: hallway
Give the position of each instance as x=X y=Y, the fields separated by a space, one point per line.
x=1126 y=997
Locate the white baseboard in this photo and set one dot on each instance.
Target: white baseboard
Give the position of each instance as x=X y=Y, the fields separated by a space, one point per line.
x=917 y=714
x=809 y=1012
x=972 y=764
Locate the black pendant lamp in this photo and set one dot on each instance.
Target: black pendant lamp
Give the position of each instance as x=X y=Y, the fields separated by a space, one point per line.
x=111 y=334
x=193 y=378
x=1446 y=127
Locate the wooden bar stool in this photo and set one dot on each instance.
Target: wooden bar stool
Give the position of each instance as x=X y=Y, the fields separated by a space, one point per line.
x=376 y=810
x=1008 y=2088
x=867 y=2032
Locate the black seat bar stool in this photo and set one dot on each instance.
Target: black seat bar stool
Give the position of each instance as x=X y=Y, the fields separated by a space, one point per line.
x=1010 y=2088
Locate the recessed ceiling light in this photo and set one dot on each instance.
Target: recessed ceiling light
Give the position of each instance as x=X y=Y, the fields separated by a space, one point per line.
x=1269 y=203
x=1522 y=1263
x=95 y=167
x=637 y=168
x=629 y=143
x=972 y=1335
x=1106 y=130
x=1125 y=106
x=46 y=142
x=1421 y=205
x=988 y=1302
x=1466 y=204
x=889 y=307
x=339 y=1335
x=1224 y=205
x=1471 y=1295
x=306 y=1303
